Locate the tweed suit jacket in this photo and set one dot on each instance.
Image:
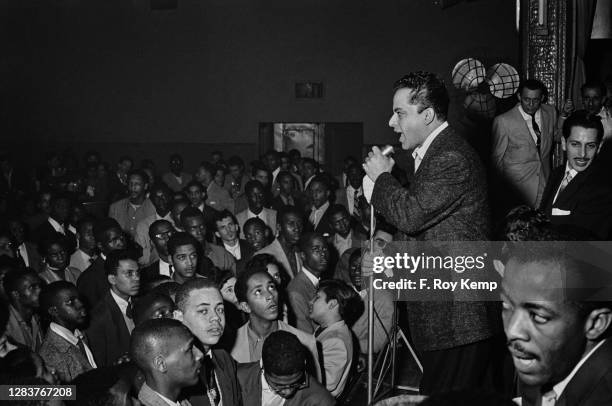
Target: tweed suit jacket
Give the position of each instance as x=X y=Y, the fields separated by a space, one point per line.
x=276 y=250
x=67 y=359
x=586 y=202
x=300 y=292
x=515 y=156
x=225 y=371
x=446 y=200
x=337 y=349
x=249 y=376
x=108 y=335
x=148 y=397
x=267 y=215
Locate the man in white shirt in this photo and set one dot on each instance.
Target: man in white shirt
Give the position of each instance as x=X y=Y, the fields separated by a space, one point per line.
x=556 y=323
x=226 y=230
x=87 y=252
x=65 y=348
x=319 y=191
x=348 y=196
x=167 y=354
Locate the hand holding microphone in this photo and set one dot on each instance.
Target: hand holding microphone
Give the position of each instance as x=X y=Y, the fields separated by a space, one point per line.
x=378 y=161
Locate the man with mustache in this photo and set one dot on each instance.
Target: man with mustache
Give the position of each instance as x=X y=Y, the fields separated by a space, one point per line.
x=557 y=322
x=257 y=295
x=200 y=307
x=577 y=193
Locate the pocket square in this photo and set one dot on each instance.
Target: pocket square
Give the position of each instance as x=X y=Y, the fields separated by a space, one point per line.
x=559 y=212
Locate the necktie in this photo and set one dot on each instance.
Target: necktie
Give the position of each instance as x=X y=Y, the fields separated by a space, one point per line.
x=536 y=130
x=566 y=180
x=549 y=398
x=211 y=383
x=171 y=270
x=318 y=331
x=417 y=161
x=129 y=311
x=356 y=211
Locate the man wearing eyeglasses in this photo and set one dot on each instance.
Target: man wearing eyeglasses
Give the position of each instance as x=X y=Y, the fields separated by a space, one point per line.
x=159 y=234
x=160 y=197
x=280 y=378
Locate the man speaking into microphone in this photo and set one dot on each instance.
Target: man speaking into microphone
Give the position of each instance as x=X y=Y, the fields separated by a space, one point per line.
x=446 y=200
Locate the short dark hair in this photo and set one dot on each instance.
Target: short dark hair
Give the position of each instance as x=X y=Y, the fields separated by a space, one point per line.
x=190 y=212
x=532 y=84
x=102 y=226
x=235 y=161
x=186 y=288
x=179 y=240
x=85 y=221
x=251 y=185
x=524 y=223
x=160 y=186
x=284 y=174
x=48 y=295
x=287 y=210
x=242 y=282
x=148 y=334
x=337 y=208
x=252 y=221
x=194 y=183
x=311 y=161
x=156 y=224
x=258 y=166
x=208 y=167
x=111 y=265
x=594 y=85
x=143 y=303
x=139 y=172
x=13 y=278
x=428 y=90
x=223 y=214
x=307 y=238
x=584 y=119
x=283 y=354
x=345 y=295
x=52 y=239
x=126 y=158
x=322 y=179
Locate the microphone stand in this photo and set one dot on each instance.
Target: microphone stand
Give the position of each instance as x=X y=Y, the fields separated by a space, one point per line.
x=371 y=314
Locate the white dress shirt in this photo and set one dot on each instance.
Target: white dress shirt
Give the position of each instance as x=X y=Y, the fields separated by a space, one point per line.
x=350 y=196
x=56 y=226
x=341 y=243
x=73 y=338
x=527 y=118
x=164 y=268
x=308 y=182
x=235 y=250
x=268 y=396
x=317 y=214
x=311 y=277
x=123 y=305
x=275 y=174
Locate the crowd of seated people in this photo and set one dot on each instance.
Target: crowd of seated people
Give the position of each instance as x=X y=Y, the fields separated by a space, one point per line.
x=235 y=286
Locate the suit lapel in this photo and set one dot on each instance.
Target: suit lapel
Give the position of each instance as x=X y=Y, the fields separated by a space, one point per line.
x=572 y=188
x=123 y=334
x=433 y=148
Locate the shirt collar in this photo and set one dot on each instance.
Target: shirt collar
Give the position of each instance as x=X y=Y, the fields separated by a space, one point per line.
x=56 y=225
x=164 y=268
x=122 y=303
x=339 y=238
x=571 y=170
x=422 y=150
x=528 y=116
x=165 y=399
x=560 y=387
x=251 y=215
x=322 y=208
x=310 y=276
x=71 y=336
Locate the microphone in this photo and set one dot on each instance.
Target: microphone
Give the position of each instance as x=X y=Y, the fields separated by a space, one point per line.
x=387 y=150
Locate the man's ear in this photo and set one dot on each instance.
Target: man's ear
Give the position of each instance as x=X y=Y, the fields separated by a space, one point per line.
x=499 y=267
x=563 y=143
x=217 y=234
x=597 y=323
x=160 y=364
x=112 y=279
x=177 y=315
x=332 y=304
x=430 y=115
x=244 y=306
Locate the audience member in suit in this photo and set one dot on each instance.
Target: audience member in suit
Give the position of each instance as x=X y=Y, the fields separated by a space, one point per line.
x=523 y=139
x=118 y=181
x=200 y=307
x=281 y=376
x=22 y=289
x=330 y=309
x=153 y=305
x=166 y=352
x=309 y=169
x=217 y=197
x=57 y=222
x=25 y=250
x=185 y=258
x=348 y=196
x=344 y=235
x=93 y=283
x=284 y=247
x=302 y=289
x=112 y=323
x=255 y=194
x=256 y=233
x=318 y=219
x=56 y=261
x=87 y=252
x=577 y=193
x=383 y=309
x=342 y=179
x=136 y=207
x=556 y=325
x=159 y=233
x=446 y=200
x=160 y=197
x=226 y=230
x=193 y=223
x=197 y=196
x=272 y=162
x=65 y=348
x=258 y=296
x=176 y=179
x=287 y=191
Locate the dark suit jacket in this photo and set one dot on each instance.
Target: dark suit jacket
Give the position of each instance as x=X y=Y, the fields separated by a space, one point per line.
x=33 y=256
x=93 y=283
x=446 y=200
x=108 y=335
x=225 y=370
x=67 y=359
x=324 y=226
x=246 y=253
x=587 y=198
x=301 y=291
x=249 y=376
x=46 y=230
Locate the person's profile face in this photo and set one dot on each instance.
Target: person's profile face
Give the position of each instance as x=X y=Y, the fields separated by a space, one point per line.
x=545 y=334
x=184 y=360
x=407 y=120
x=592 y=99
x=291 y=227
x=176 y=211
x=161 y=235
x=316 y=255
x=196 y=227
x=318 y=306
x=227 y=290
x=185 y=261
x=262 y=296
x=531 y=100
x=127 y=279
x=204 y=315
x=255 y=235
x=115 y=240
x=29 y=291
x=580 y=147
